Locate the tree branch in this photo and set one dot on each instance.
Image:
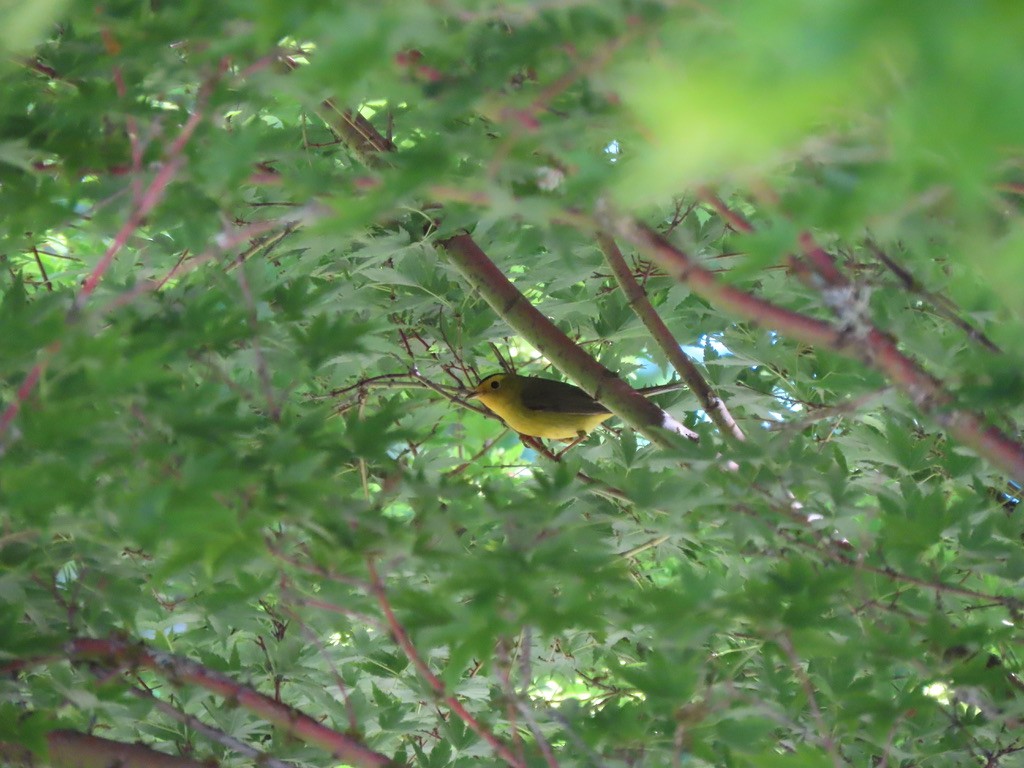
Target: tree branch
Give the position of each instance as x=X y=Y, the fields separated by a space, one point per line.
x=637 y=298
x=119 y=653
x=213 y=734
x=71 y=749
x=401 y=637
x=872 y=347
x=146 y=200
x=945 y=307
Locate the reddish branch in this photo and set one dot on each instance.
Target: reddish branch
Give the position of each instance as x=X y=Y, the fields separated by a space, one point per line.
x=145 y=201
x=638 y=301
x=227 y=240
x=213 y=734
x=26 y=389
x=117 y=653
x=735 y=220
x=402 y=638
x=704 y=282
x=71 y=749
x=943 y=306
x=356 y=131
x=870 y=346
x=148 y=199
x=925 y=390
x=358 y=134
x=528 y=118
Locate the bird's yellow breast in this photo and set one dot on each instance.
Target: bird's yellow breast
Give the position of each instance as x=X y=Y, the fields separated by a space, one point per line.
x=540 y=407
x=550 y=425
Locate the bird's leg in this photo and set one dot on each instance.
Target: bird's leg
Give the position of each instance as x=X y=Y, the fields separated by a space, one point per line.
x=580 y=437
x=532 y=442
x=538 y=445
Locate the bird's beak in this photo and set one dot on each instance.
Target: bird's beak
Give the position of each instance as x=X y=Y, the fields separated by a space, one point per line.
x=470 y=394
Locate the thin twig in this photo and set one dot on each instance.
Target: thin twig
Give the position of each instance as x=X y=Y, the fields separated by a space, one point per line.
x=145 y=201
x=42 y=270
x=736 y=220
x=655 y=542
x=401 y=637
x=812 y=700
x=262 y=371
x=637 y=299
x=942 y=305
x=542 y=743
x=117 y=653
x=213 y=734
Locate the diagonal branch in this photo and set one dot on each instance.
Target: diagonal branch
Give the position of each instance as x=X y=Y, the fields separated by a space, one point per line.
x=638 y=301
x=871 y=347
x=945 y=307
x=118 y=653
x=703 y=281
x=942 y=305
x=401 y=637
x=145 y=201
x=71 y=749
x=213 y=734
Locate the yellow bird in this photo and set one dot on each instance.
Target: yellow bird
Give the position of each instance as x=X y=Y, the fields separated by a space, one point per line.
x=540 y=407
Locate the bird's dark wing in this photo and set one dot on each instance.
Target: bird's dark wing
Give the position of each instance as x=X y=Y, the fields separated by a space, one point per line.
x=551 y=395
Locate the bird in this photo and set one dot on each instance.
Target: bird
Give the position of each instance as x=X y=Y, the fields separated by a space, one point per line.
x=538 y=407
x=545 y=408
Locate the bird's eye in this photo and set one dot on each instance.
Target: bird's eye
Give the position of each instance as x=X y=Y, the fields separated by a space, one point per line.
x=495 y=385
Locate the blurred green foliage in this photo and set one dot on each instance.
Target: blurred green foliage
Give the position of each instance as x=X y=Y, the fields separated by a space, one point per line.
x=223 y=437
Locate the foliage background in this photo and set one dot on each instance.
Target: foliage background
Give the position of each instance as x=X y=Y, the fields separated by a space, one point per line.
x=232 y=329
